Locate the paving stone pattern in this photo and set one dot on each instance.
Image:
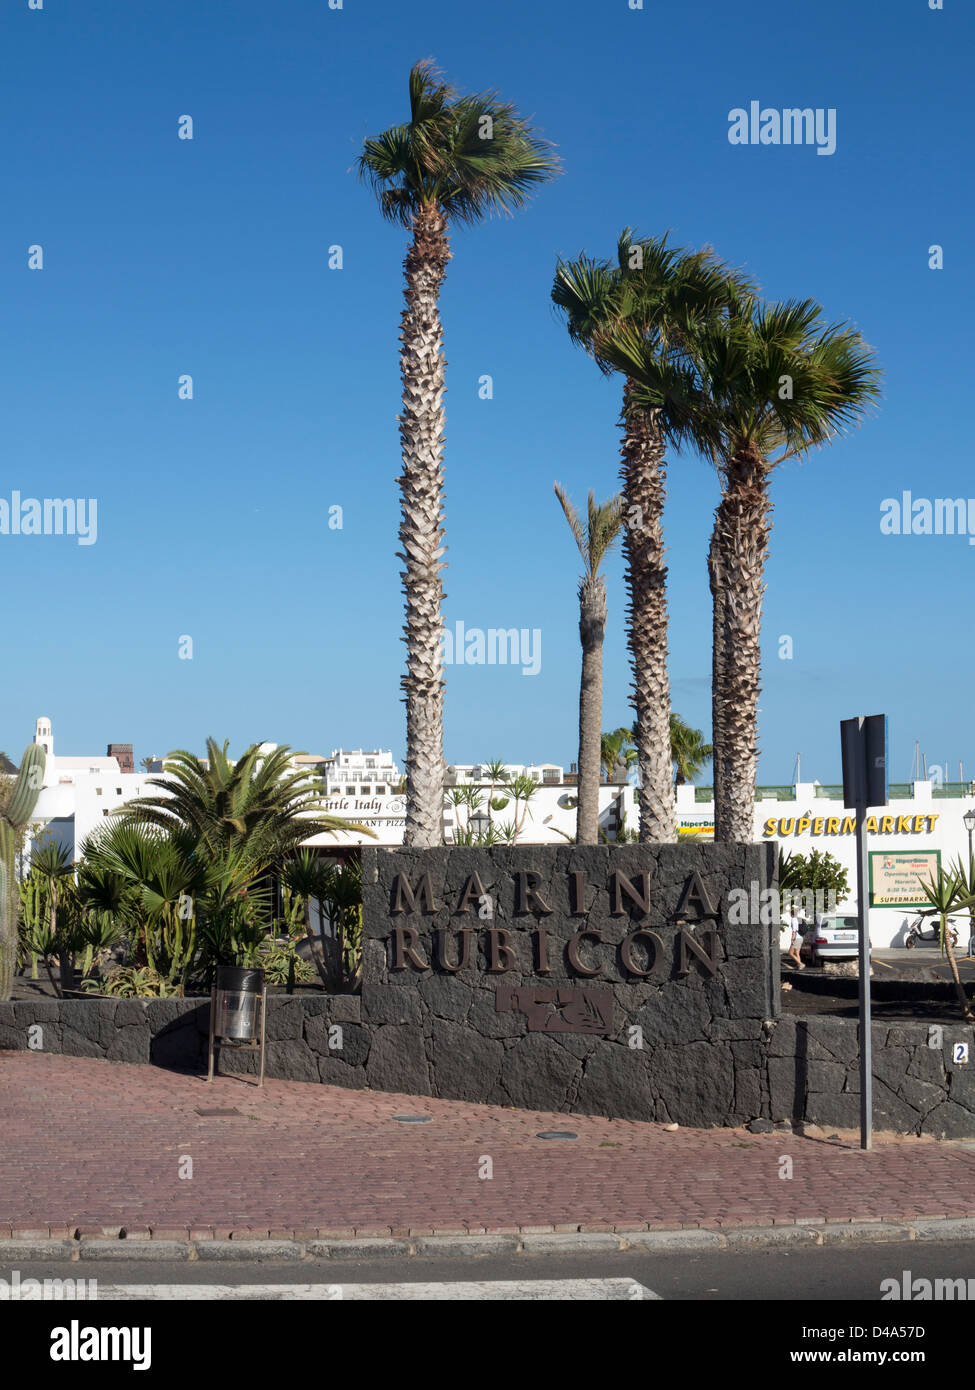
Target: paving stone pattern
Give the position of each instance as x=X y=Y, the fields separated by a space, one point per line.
x=94 y=1149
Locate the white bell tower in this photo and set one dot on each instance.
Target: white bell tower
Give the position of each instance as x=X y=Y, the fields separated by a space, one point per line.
x=43 y=735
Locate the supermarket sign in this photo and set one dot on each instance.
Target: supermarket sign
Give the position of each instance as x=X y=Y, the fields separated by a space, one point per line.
x=896 y=876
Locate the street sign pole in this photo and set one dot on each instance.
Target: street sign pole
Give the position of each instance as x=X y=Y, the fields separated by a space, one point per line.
x=864 y=745
x=866 y=1032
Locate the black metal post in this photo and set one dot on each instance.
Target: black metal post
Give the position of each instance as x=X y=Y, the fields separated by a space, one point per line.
x=866 y=1040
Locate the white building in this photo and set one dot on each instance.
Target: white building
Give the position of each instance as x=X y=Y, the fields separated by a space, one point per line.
x=464 y=774
x=60 y=771
x=920 y=828
x=355 y=772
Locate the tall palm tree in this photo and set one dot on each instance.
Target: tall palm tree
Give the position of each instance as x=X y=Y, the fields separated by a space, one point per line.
x=656 y=292
x=688 y=750
x=457 y=159
x=775 y=381
x=594 y=541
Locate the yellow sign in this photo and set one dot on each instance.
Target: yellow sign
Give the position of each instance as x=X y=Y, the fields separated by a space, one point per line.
x=846 y=825
x=701 y=829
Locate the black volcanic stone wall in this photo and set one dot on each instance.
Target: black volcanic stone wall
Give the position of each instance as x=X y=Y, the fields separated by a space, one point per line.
x=813 y=1076
x=302 y=1044
x=440 y=1033
x=714 y=1050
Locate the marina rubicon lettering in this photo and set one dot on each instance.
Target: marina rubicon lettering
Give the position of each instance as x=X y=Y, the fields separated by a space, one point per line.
x=779 y=828
x=641 y=953
x=628 y=892
x=587 y=953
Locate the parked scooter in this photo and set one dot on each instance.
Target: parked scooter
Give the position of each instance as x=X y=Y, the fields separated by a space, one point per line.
x=916 y=933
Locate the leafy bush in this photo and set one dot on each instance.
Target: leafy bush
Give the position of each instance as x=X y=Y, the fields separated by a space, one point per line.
x=277 y=962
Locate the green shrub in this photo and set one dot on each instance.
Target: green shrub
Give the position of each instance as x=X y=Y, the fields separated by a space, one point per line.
x=133 y=982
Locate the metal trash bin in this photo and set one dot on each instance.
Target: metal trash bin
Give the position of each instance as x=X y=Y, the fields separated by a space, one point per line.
x=237 y=1001
x=238 y=1006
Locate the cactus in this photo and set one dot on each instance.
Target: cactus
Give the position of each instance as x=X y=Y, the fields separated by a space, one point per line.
x=14 y=818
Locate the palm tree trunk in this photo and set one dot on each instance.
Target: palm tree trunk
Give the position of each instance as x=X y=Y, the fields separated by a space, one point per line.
x=643 y=474
x=743 y=535
x=963 y=1000
x=421 y=532
x=592 y=631
x=717 y=582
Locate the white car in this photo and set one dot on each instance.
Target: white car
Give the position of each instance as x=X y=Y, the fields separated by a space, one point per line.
x=835 y=937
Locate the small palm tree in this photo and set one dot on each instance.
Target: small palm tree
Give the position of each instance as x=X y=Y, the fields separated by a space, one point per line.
x=688 y=750
x=656 y=293
x=616 y=749
x=495 y=772
x=51 y=863
x=258 y=805
x=457 y=159
x=343 y=901
x=594 y=541
x=305 y=876
x=522 y=789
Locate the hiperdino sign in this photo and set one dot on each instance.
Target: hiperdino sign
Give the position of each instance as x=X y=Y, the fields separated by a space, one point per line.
x=846 y=825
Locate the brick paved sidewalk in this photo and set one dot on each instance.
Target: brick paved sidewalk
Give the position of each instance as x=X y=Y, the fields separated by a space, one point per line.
x=96 y=1146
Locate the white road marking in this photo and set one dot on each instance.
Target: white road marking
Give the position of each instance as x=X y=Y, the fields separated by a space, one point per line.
x=491 y=1289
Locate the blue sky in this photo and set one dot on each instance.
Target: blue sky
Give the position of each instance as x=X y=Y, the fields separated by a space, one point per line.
x=165 y=256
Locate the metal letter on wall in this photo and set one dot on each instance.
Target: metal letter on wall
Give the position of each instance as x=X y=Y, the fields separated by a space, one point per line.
x=655 y=948
x=526 y=898
x=405 y=941
x=695 y=895
x=621 y=886
x=407 y=898
x=708 y=959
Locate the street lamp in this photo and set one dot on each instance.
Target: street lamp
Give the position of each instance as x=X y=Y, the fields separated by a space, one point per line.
x=968 y=820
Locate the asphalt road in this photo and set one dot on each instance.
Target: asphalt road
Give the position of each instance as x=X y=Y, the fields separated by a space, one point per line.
x=828 y=1273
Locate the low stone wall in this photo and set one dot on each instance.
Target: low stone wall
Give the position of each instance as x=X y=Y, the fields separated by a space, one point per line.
x=812 y=1070
x=632 y=981
x=803 y=1070
x=310 y=1038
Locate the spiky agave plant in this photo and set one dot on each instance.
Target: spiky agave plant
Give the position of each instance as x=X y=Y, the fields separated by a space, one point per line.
x=947 y=893
x=14 y=818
